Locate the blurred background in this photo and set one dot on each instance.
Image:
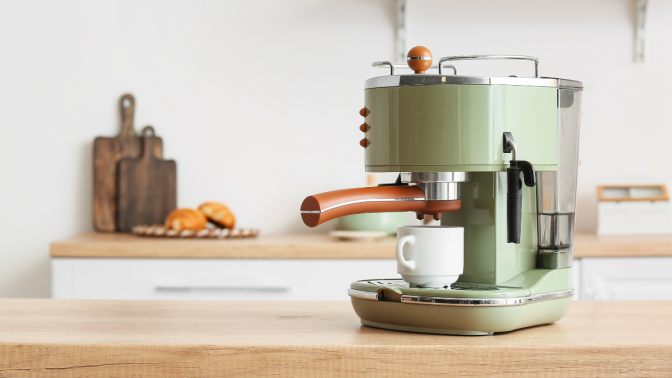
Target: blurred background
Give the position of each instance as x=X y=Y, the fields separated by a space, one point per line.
x=258 y=101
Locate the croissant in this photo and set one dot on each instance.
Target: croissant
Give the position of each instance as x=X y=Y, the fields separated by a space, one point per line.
x=186 y=219
x=218 y=214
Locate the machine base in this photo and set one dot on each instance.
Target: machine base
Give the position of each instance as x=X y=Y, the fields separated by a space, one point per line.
x=458 y=320
x=535 y=297
x=438 y=331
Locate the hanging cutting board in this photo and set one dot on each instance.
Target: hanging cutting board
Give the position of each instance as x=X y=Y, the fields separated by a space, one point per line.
x=147 y=187
x=106 y=155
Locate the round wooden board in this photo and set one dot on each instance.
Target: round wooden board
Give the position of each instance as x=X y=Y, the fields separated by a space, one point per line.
x=207 y=233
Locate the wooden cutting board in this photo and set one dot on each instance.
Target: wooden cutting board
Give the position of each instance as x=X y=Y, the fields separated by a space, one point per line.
x=147 y=187
x=106 y=155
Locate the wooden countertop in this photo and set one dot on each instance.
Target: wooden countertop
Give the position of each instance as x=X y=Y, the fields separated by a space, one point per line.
x=313 y=246
x=264 y=246
x=592 y=245
x=77 y=338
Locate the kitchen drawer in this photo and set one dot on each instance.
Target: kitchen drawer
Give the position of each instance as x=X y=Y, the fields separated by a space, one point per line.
x=626 y=278
x=212 y=279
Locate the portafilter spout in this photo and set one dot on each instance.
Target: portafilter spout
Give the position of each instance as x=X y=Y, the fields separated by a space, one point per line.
x=323 y=207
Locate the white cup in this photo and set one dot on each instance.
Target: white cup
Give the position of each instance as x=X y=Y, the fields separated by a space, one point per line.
x=430 y=256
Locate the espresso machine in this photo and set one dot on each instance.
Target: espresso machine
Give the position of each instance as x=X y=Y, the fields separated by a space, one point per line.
x=497 y=156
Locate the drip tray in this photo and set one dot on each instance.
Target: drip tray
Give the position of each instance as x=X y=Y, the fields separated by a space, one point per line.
x=458 y=309
x=398 y=290
x=395 y=282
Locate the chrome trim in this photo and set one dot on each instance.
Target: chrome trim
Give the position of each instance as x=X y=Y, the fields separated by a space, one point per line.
x=362 y=201
x=440 y=191
x=568 y=84
x=408 y=177
x=431 y=79
x=437 y=186
x=382 y=82
x=521 y=81
x=359 y=294
x=479 y=57
x=554 y=259
x=441 y=67
x=405 y=66
x=514 y=150
x=383 y=64
x=486 y=302
x=400 y=283
x=418 y=58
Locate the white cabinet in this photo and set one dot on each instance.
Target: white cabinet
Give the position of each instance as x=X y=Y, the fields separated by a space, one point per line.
x=603 y=278
x=212 y=279
x=626 y=278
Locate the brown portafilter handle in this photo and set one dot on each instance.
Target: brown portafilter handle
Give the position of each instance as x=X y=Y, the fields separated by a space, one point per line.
x=323 y=207
x=419 y=59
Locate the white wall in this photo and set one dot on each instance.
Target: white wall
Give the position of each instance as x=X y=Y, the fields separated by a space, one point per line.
x=257 y=101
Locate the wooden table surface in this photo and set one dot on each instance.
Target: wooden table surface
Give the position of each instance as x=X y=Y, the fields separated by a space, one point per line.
x=264 y=246
x=77 y=338
x=312 y=246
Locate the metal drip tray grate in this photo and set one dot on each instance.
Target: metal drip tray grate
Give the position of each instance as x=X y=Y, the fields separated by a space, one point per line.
x=456 y=286
x=471 y=294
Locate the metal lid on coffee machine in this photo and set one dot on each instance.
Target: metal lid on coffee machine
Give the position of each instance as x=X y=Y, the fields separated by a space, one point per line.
x=422 y=63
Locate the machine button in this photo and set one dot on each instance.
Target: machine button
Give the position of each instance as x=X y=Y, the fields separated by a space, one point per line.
x=364 y=127
x=364 y=112
x=364 y=143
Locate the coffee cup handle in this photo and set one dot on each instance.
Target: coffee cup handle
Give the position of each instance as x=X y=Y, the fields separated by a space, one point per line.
x=410 y=239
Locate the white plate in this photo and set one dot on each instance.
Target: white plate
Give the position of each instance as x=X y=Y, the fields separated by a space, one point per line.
x=358 y=235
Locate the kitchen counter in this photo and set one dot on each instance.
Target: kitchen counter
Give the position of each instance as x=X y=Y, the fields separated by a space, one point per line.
x=264 y=246
x=313 y=246
x=67 y=338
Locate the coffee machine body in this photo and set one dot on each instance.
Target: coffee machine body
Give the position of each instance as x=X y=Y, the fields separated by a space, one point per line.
x=458 y=138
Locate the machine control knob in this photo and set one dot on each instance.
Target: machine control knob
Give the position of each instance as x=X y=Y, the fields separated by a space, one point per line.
x=364 y=127
x=364 y=112
x=364 y=143
x=419 y=59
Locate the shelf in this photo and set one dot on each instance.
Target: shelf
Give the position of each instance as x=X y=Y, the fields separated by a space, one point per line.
x=313 y=246
x=640 y=31
x=265 y=246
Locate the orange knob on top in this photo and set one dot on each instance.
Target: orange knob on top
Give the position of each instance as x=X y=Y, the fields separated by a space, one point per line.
x=419 y=59
x=364 y=112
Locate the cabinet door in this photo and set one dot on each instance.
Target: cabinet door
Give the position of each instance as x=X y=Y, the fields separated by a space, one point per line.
x=212 y=279
x=626 y=278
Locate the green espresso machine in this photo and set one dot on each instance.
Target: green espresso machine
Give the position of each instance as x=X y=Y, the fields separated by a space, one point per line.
x=497 y=156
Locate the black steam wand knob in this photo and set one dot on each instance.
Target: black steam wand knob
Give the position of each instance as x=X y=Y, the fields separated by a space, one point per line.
x=514 y=195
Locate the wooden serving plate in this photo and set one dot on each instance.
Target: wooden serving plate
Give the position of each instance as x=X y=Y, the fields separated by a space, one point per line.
x=159 y=231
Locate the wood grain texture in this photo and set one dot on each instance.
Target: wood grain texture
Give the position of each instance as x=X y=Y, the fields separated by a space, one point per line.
x=147 y=188
x=106 y=155
x=663 y=190
x=264 y=246
x=592 y=245
x=66 y=338
x=314 y=246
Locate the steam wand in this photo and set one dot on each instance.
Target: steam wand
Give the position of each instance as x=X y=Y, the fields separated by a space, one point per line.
x=514 y=195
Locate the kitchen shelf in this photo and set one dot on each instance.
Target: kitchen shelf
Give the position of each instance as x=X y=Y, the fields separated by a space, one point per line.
x=264 y=246
x=640 y=31
x=313 y=246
